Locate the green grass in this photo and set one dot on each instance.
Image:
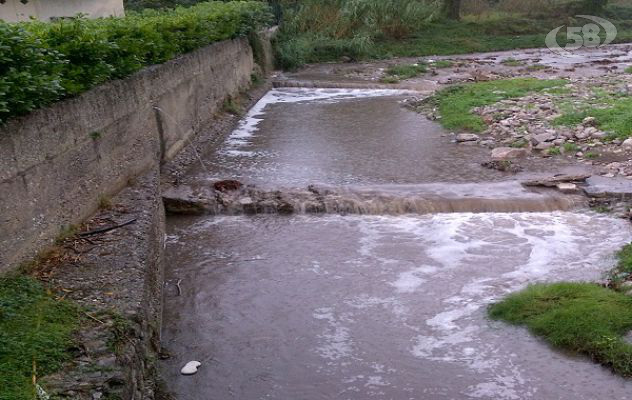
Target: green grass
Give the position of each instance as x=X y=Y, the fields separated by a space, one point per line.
x=623 y=271
x=570 y=148
x=554 y=151
x=404 y=71
x=591 y=155
x=519 y=144
x=628 y=70
x=615 y=118
x=512 y=62
x=231 y=107
x=440 y=64
x=455 y=104
x=580 y=317
x=322 y=33
x=450 y=38
x=35 y=330
x=536 y=67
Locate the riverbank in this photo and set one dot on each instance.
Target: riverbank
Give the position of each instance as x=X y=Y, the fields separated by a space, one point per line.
x=352 y=32
x=583 y=318
x=107 y=260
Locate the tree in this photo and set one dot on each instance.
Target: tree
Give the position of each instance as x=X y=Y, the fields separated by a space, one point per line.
x=452 y=9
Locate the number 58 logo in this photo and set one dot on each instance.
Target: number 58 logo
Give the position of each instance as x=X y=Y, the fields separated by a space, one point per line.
x=588 y=35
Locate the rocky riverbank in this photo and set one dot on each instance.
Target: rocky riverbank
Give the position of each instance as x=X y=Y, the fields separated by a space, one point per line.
x=535 y=125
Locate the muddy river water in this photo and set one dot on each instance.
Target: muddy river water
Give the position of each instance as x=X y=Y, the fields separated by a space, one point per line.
x=356 y=306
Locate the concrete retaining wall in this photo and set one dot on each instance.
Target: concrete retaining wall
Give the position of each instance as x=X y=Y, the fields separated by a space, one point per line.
x=57 y=163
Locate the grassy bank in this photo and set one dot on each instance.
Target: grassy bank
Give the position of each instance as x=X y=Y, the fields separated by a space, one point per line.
x=330 y=29
x=580 y=317
x=35 y=335
x=455 y=103
x=612 y=114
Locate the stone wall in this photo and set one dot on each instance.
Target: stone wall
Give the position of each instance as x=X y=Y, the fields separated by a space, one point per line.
x=58 y=163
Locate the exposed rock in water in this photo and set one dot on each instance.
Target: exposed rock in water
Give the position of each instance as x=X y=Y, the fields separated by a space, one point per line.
x=554 y=181
x=508 y=153
x=566 y=187
x=467 y=137
x=227 y=185
x=503 y=166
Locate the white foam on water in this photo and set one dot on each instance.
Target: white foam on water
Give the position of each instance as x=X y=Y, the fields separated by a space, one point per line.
x=363 y=302
x=248 y=126
x=336 y=341
x=408 y=282
x=446 y=320
x=432 y=277
x=533 y=247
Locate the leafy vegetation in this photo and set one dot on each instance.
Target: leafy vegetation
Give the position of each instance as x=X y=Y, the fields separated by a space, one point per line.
x=35 y=335
x=455 y=103
x=30 y=72
x=323 y=30
x=326 y=30
x=43 y=62
x=581 y=317
x=139 y=5
x=628 y=70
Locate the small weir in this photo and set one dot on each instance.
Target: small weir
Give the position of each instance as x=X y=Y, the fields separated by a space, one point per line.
x=386 y=200
x=353 y=255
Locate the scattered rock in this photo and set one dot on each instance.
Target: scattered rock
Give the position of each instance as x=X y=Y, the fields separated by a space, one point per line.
x=582 y=134
x=503 y=166
x=541 y=138
x=599 y=135
x=589 y=121
x=508 y=153
x=191 y=368
x=566 y=187
x=227 y=185
x=627 y=143
x=467 y=137
x=554 y=181
x=544 y=146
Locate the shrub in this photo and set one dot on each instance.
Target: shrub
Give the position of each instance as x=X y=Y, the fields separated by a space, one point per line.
x=43 y=62
x=138 y=5
x=29 y=72
x=325 y=30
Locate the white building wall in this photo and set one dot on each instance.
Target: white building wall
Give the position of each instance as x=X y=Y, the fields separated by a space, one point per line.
x=14 y=10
